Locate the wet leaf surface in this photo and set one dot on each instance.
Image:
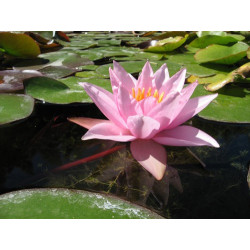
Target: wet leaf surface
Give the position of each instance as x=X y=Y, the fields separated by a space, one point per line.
x=168 y=44
x=12 y=80
x=19 y=45
x=53 y=91
x=15 y=107
x=222 y=54
x=68 y=204
x=231 y=105
x=204 y=41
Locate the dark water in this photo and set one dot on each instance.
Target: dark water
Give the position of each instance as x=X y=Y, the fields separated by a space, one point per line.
x=200 y=182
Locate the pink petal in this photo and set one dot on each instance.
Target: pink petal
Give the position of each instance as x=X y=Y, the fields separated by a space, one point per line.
x=108 y=131
x=193 y=106
x=143 y=126
x=104 y=100
x=175 y=83
x=146 y=77
x=166 y=111
x=161 y=76
x=185 y=136
x=127 y=79
x=152 y=156
x=126 y=103
x=115 y=82
x=147 y=104
x=87 y=122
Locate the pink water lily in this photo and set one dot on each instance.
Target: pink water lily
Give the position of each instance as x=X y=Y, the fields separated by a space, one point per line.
x=148 y=112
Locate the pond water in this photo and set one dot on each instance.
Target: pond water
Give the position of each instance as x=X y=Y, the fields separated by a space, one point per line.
x=200 y=182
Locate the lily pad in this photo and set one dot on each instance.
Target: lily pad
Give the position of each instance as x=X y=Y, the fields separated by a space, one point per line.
x=19 y=45
x=206 y=33
x=193 y=68
x=168 y=44
x=73 y=83
x=53 y=91
x=68 y=204
x=89 y=74
x=231 y=105
x=136 y=67
x=219 y=80
x=12 y=80
x=65 y=91
x=15 y=107
x=66 y=59
x=204 y=41
x=222 y=54
x=57 y=72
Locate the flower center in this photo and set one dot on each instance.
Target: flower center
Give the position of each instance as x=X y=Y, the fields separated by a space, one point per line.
x=140 y=95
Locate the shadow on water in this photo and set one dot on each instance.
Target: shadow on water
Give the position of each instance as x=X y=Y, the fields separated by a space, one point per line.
x=200 y=182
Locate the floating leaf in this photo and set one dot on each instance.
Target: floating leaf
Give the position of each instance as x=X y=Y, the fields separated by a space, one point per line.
x=248 y=53
x=12 y=80
x=204 y=41
x=231 y=105
x=88 y=74
x=19 y=45
x=65 y=91
x=222 y=54
x=219 y=80
x=57 y=72
x=61 y=58
x=68 y=204
x=53 y=91
x=73 y=83
x=168 y=44
x=136 y=67
x=15 y=107
x=187 y=61
x=206 y=33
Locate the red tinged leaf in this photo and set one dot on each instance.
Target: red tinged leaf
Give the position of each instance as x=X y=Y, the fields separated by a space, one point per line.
x=61 y=35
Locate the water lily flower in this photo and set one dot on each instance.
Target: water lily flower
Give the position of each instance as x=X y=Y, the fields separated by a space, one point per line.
x=147 y=112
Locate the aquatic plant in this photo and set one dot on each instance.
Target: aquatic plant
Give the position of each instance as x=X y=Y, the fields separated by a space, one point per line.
x=147 y=112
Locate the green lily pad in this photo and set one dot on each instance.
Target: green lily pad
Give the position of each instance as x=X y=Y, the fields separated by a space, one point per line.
x=68 y=204
x=222 y=54
x=19 y=45
x=64 y=91
x=66 y=59
x=89 y=67
x=193 y=68
x=57 y=72
x=53 y=91
x=231 y=105
x=206 y=33
x=204 y=41
x=80 y=43
x=248 y=53
x=15 y=107
x=168 y=44
x=136 y=67
x=89 y=74
x=73 y=83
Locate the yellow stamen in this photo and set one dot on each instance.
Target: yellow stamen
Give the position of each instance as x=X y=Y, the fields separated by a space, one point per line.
x=149 y=92
x=142 y=94
x=133 y=92
x=161 y=97
x=156 y=94
x=138 y=95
